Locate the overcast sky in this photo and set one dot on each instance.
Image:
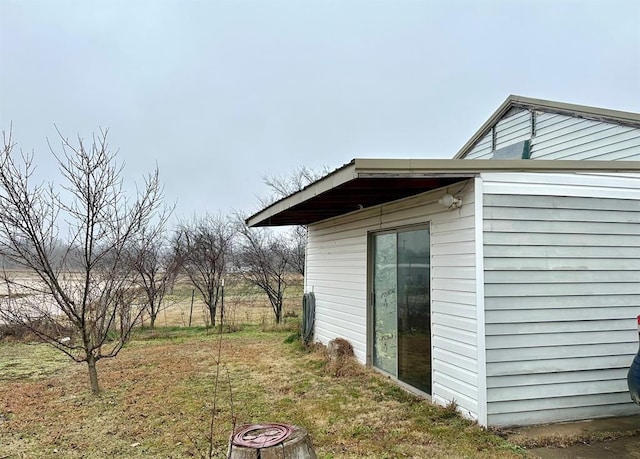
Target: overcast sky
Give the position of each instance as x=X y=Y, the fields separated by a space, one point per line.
x=221 y=93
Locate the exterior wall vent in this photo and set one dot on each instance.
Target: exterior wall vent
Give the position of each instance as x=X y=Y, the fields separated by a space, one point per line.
x=518 y=150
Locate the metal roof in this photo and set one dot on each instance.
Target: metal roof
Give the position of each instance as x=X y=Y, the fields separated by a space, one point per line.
x=364 y=183
x=527 y=103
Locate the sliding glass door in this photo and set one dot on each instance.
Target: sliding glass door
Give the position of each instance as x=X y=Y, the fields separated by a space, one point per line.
x=401 y=305
x=385 y=303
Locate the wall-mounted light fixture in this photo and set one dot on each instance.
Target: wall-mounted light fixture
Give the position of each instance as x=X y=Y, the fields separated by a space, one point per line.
x=450 y=202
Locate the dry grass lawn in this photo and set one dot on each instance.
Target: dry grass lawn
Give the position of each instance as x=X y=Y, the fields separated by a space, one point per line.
x=158 y=396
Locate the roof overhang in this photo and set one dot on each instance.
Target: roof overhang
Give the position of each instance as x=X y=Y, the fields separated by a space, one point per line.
x=364 y=183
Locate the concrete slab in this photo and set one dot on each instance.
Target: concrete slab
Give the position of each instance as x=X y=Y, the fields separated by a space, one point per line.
x=598 y=438
x=622 y=448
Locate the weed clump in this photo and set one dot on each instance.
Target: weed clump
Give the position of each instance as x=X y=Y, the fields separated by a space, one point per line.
x=450 y=410
x=341 y=361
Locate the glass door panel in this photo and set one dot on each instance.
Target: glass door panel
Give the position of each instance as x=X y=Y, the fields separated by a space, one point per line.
x=414 y=321
x=402 y=306
x=385 y=302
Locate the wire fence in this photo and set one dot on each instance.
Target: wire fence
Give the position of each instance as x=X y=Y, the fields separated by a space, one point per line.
x=243 y=304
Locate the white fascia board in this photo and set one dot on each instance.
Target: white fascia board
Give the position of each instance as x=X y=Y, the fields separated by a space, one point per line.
x=328 y=182
x=441 y=167
x=363 y=167
x=583 y=111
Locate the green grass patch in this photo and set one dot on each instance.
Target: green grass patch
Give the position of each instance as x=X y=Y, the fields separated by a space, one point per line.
x=171 y=333
x=20 y=361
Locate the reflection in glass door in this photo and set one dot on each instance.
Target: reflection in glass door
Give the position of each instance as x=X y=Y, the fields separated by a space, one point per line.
x=385 y=308
x=401 y=306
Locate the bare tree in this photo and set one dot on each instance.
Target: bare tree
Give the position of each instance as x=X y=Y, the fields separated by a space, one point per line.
x=87 y=288
x=263 y=260
x=156 y=266
x=281 y=186
x=204 y=245
x=297 y=245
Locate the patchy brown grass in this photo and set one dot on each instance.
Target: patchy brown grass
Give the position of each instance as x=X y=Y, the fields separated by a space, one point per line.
x=158 y=396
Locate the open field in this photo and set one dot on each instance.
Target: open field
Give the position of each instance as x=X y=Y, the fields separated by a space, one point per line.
x=158 y=396
x=243 y=303
x=184 y=306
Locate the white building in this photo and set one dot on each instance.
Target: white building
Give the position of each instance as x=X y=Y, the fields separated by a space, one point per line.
x=509 y=285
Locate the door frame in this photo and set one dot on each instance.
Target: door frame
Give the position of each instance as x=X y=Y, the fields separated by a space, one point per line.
x=370 y=304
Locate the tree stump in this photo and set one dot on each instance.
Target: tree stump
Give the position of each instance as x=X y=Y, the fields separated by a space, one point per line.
x=270 y=441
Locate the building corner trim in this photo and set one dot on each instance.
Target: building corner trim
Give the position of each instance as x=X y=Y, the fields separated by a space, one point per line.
x=480 y=316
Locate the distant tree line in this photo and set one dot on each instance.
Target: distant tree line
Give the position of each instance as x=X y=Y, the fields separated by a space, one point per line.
x=100 y=260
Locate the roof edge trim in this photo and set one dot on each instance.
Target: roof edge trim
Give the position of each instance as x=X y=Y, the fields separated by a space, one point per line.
x=581 y=111
x=333 y=179
x=363 y=167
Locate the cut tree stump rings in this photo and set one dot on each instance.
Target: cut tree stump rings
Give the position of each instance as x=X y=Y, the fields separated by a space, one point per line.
x=270 y=441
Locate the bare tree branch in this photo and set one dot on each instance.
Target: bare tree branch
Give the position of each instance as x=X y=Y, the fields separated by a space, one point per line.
x=281 y=186
x=297 y=246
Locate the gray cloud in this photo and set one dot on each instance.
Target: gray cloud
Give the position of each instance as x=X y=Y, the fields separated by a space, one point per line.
x=220 y=93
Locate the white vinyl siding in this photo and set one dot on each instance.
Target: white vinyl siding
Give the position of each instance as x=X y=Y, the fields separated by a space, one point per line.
x=483 y=149
x=563 y=137
x=514 y=129
x=337 y=274
x=453 y=307
x=508 y=131
x=562 y=272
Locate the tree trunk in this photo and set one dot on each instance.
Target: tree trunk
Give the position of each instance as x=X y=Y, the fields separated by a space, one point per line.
x=93 y=374
x=212 y=315
x=296 y=445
